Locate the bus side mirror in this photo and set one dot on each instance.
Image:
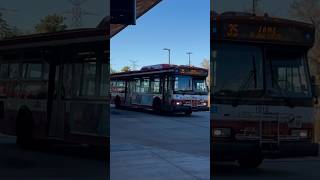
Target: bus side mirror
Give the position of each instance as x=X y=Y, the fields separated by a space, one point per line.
x=314 y=89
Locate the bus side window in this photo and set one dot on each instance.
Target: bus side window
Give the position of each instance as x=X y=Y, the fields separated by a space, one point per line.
x=104 y=81
x=14 y=71
x=45 y=71
x=137 y=86
x=121 y=86
x=67 y=80
x=33 y=89
x=34 y=71
x=4 y=71
x=155 y=86
x=145 y=85
x=89 y=79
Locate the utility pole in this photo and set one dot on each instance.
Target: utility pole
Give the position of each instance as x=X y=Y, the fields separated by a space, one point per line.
x=254 y=6
x=78 y=12
x=189 y=53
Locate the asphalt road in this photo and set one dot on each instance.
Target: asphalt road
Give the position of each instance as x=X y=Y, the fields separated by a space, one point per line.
x=50 y=162
x=146 y=146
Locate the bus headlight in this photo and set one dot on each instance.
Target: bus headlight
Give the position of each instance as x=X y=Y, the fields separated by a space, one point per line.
x=178 y=103
x=221 y=132
x=303 y=133
x=203 y=103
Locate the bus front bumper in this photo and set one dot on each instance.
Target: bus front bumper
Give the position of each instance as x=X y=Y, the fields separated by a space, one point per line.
x=236 y=150
x=188 y=108
x=200 y=108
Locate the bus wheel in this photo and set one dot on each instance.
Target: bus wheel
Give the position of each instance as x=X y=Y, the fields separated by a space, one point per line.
x=156 y=105
x=117 y=102
x=188 y=113
x=24 y=129
x=250 y=162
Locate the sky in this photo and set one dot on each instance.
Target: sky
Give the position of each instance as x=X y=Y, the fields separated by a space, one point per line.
x=278 y=8
x=181 y=27
x=29 y=12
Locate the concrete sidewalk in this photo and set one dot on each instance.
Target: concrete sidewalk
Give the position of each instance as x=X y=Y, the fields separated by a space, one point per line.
x=137 y=162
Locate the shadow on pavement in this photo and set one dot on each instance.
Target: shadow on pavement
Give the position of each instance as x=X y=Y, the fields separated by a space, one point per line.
x=221 y=169
x=52 y=148
x=73 y=150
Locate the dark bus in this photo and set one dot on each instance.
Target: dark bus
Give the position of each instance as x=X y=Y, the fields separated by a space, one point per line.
x=54 y=86
x=262 y=102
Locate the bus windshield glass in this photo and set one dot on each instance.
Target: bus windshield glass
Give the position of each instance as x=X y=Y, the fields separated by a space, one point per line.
x=238 y=70
x=190 y=84
x=289 y=75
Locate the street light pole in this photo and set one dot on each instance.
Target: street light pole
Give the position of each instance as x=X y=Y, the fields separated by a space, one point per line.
x=167 y=49
x=254 y=6
x=189 y=53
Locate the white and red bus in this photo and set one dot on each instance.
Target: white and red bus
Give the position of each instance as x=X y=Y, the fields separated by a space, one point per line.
x=54 y=86
x=162 y=87
x=262 y=95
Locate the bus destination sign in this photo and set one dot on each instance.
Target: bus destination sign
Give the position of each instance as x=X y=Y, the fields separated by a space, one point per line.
x=193 y=72
x=262 y=32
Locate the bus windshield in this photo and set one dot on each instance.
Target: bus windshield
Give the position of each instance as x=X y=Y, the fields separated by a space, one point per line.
x=190 y=84
x=238 y=70
x=289 y=75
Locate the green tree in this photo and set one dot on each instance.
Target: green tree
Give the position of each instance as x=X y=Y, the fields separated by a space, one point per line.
x=51 y=23
x=126 y=69
x=206 y=64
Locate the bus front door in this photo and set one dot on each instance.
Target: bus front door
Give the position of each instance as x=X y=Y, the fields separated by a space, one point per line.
x=166 y=95
x=56 y=125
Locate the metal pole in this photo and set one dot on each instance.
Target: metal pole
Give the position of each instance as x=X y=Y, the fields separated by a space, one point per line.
x=169 y=57
x=189 y=53
x=167 y=49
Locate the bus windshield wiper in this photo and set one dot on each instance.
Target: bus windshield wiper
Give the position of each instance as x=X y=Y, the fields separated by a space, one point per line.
x=244 y=86
x=283 y=94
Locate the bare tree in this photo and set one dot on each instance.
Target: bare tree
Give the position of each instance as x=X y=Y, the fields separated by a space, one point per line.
x=4 y=27
x=133 y=65
x=309 y=11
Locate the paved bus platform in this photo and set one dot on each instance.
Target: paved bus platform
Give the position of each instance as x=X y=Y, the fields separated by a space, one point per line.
x=146 y=163
x=148 y=146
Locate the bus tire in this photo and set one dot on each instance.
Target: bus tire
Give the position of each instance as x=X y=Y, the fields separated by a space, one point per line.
x=156 y=105
x=250 y=162
x=24 y=129
x=188 y=113
x=117 y=102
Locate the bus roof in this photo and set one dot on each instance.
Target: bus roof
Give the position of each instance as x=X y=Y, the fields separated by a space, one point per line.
x=163 y=68
x=55 y=39
x=247 y=27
